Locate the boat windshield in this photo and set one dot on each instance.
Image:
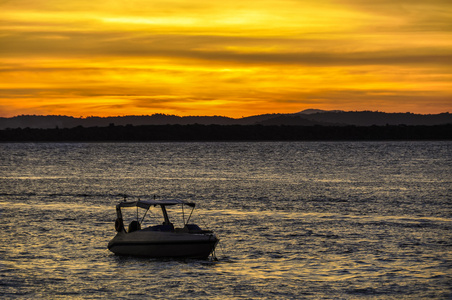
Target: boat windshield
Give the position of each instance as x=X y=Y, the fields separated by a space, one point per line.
x=156 y=212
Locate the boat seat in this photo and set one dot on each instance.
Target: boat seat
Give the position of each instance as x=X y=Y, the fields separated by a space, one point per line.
x=134 y=226
x=192 y=227
x=169 y=227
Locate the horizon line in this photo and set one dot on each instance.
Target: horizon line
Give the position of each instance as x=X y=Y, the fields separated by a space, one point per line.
x=222 y=116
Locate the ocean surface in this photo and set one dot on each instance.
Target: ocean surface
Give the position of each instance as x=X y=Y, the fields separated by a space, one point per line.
x=296 y=220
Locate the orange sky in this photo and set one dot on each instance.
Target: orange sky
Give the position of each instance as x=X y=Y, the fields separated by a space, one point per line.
x=230 y=58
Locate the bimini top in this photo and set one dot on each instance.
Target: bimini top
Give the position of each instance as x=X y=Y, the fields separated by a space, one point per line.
x=148 y=203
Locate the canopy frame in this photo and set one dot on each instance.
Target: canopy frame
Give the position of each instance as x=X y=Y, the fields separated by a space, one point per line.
x=146 y=204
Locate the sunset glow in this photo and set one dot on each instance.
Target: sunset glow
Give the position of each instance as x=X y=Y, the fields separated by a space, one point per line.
x=232 y=58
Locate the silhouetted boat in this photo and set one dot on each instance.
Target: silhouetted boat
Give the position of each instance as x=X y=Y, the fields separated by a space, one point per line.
x=162 y=240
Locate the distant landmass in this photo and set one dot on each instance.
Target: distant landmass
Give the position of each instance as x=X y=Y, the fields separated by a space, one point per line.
x=309 y=117
x=198 y=132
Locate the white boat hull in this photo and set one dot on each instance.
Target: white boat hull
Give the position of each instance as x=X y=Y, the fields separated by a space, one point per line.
x=163 y=244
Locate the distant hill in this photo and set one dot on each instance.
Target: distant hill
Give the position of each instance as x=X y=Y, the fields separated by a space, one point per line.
x=45 y=122
x=294 y=120
x=310 y=117
x=369 y=118
x=311 y=111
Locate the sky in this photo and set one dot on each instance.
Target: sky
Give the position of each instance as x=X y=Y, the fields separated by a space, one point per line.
x=230 y=58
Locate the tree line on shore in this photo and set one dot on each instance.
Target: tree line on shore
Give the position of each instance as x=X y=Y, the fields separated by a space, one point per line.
x=197 y=132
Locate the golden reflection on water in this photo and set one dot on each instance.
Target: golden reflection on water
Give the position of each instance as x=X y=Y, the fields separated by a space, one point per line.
x=284 y=238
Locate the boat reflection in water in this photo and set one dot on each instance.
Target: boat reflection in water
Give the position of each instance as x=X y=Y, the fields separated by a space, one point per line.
x=162 y=240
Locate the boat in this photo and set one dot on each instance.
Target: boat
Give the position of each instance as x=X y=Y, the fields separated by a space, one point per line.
x=163 y=239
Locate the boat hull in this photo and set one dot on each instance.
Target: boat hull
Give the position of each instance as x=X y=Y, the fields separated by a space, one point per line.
x=163 y=244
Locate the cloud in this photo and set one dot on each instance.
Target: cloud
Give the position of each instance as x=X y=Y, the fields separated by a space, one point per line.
x=212 y=49
x=241 y=57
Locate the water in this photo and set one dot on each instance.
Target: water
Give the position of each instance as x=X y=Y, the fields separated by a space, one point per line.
x=335 y=220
